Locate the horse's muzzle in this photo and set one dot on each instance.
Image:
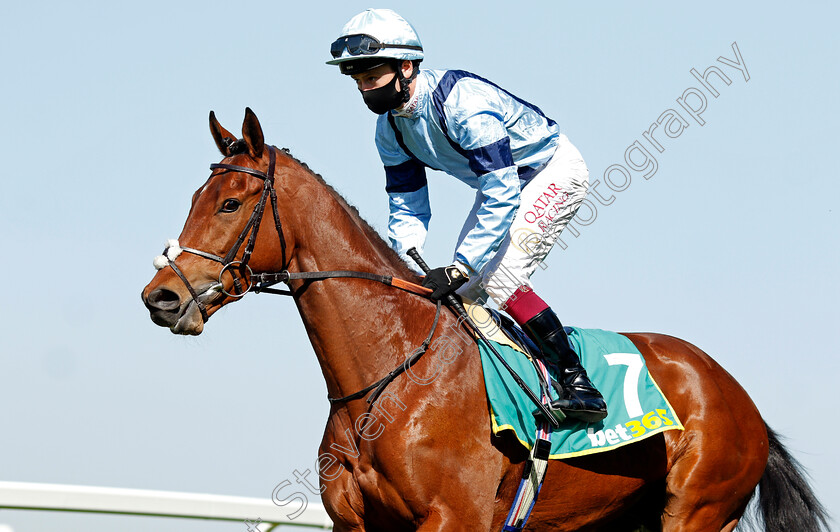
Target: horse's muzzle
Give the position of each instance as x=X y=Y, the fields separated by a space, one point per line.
x=164 y=306
x=180 y=314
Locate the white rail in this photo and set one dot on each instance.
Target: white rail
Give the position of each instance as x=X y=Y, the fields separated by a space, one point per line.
x=94 y=499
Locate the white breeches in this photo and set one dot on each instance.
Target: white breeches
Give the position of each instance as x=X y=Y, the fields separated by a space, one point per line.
x=547 y=203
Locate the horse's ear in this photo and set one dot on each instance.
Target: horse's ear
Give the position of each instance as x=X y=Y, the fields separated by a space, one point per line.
x=223 y=138
x=252 y=133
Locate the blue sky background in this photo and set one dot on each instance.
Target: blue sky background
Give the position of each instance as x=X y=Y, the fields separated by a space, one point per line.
x=732 y=244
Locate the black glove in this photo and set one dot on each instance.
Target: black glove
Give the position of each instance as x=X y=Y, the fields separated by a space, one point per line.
x=444 y=281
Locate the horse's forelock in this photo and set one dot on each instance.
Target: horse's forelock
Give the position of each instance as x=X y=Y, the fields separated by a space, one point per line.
x=235 y=146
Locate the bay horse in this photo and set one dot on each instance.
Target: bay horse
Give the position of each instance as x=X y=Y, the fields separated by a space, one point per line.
x=423 y=456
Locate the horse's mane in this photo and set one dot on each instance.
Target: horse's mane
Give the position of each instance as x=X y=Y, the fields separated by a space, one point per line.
x=374 y=237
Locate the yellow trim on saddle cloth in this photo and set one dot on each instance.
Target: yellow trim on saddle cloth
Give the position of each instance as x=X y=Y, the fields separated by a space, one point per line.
x=484 y=321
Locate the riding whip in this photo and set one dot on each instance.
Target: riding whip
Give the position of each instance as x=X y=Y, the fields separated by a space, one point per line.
x=454 y=303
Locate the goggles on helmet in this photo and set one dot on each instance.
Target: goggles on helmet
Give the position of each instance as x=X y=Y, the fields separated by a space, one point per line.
x=363 y=45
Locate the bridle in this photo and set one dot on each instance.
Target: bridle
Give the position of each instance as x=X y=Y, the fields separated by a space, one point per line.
x=252 y=227
x=263 y=281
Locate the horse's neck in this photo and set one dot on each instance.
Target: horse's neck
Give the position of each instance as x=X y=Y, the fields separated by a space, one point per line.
x=357 y=327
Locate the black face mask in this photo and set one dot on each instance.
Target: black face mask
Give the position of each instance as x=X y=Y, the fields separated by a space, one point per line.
x=383 y=99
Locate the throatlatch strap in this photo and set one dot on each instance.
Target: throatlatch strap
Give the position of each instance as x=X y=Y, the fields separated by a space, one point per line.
x=535 y=468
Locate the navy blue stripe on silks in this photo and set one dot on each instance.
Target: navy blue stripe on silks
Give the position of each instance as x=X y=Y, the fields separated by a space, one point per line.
x=401 y=142
x=439 y=96
x=398 y=136
x=409 y=176
x=447 y=82
x=491 y=157
x=526 y=174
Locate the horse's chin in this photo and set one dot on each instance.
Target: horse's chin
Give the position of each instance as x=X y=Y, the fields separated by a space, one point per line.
x=190 y=322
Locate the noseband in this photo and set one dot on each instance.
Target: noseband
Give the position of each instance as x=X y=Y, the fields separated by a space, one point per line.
x=229 y=261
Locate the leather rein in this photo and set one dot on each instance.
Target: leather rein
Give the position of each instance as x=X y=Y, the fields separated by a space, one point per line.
x=262 y=282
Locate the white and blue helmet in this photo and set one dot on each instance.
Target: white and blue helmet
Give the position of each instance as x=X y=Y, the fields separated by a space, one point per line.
x=373 y=37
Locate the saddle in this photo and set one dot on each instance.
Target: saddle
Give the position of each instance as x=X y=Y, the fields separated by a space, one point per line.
x=638 y=408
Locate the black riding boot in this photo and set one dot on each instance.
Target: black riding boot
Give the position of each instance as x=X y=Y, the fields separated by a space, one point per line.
x=578 y=397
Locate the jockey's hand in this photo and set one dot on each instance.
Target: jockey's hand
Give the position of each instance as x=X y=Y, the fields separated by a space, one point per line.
x=444 y=281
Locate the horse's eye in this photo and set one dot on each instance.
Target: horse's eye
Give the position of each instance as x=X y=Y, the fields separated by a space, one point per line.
x=230 y=205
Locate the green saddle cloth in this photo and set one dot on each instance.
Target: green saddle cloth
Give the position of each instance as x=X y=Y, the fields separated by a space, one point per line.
x=637 y=408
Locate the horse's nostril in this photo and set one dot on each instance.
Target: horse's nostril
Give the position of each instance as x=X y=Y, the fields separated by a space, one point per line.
x=163 y=299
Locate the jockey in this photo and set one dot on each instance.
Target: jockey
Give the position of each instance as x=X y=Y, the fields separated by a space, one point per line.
x=529 y=181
